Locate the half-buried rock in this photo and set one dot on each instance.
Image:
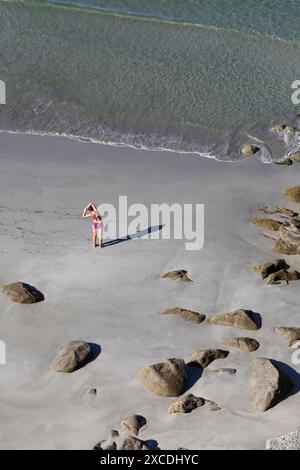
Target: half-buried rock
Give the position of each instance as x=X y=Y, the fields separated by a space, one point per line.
x=242 y=319
x=265 y=269
x=292 y=334
x=204 y=357
x=179 y=275
x=292 y=194
x=243 y=343
x=133 y=443
x=249 y=149
x=186 y=404
x=267 y=224
x=133 y=423
x=187 y=315
x=23 y=293
x=71 y=356
x=165 y=379
x=268 y=384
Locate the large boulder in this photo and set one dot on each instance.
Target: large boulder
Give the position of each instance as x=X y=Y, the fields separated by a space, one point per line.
x=292 y=334
x=133 y=424
x=178 y=275
x=186 y=404
x=23 y=293
x=267 y=224
x=165 y=379
x=268 y=384
x=187 y=315
x=243 y=343
x=71 y=356
x=204 y=357
x=292 y=194
x=242 y=319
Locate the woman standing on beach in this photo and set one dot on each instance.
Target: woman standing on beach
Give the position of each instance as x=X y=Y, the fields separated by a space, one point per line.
x=91 y=211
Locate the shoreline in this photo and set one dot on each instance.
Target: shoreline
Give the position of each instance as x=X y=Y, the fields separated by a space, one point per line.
x=114 y=298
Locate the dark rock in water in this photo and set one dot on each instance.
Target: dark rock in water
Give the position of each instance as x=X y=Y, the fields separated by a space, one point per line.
x=268 y=384
x=23 y=293
x=246 y=344
x=250 y=149
x=186 y=404
x=166 y=378
x=133 y=443
x=265 y=269
x=267 y=224
x=292 y=194
x=72 y=355
x=179 y=275
x=133 y=423
x=204 y=357
x=242 y=319
x=292 y=334
x=187 y=315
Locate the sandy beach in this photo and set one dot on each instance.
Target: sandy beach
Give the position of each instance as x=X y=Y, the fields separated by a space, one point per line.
x=113 y=297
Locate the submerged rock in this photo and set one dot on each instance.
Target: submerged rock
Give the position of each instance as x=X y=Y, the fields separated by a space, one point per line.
x=133 y=423
x=71 y=356
x=246 y=344
x=179 y=275
x=267 y=224
x=292 y=334
x=242 y=319
x=166 y=378
x=23 y=293
x=187 y=315
x=204 y=357
x=292 y=194
x=268 y=384
x=289 y=441
x=186 y=404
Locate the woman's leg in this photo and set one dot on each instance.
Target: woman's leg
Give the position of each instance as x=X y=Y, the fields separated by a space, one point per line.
x=94 y=238
x=100 y=240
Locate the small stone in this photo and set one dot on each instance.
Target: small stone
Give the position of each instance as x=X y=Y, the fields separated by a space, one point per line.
x=245 y=344
x=92 y=391
x=267 y=224
x=279 y=127
x=265 y=269
x=179 y=275
x=186 y=404
x=249 y=149
x=292 y=194
x=212 y=406
x=242 y=319
x=133 y=424
x=187 y=315
x=133 y=443
x=72 y=355
x=292 y=334
x=23 y=293
x=204 y=357
x=113 y=433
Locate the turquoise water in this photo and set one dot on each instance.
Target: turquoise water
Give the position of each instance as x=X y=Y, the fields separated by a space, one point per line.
x=189 y=76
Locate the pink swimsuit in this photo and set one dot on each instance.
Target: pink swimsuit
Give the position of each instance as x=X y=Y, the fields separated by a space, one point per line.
x=97 y=224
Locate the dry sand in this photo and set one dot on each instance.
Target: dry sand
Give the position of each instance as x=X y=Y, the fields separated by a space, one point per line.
x=114 y=298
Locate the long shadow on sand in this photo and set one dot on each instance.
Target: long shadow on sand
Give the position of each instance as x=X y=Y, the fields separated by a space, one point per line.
x=138 y=234
x=193 y=375
x=293 y=375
